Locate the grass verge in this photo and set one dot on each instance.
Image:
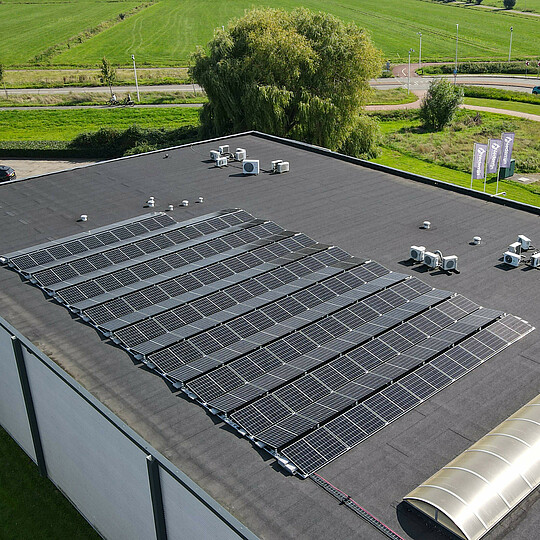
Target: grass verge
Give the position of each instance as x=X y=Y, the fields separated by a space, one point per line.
x=392 y=96
x=523 y=193
x=59 y=125
x=31 y=506
x=528 y=108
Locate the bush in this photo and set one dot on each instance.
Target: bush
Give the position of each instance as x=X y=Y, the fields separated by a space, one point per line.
x=509 y=4
x=108 y=142
x=477 y=68
x=440 y=104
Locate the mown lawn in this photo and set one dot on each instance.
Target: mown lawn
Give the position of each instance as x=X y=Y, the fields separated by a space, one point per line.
x=31 y=506
x=529 y=108
x=60 y=125
x=168 y=31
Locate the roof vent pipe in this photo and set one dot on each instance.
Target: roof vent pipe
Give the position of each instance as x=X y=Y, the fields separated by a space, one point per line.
x=185 y=203
x=426 y=225
x=84 y=217
x=171 y=207
x=476 y=240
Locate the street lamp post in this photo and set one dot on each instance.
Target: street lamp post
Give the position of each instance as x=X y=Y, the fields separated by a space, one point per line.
x=409 y=73
x=136 y=81
x=420 y=52
x=510 y=49
x=457 y=39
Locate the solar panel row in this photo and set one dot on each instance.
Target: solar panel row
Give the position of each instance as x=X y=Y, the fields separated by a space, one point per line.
x=303 y=347
x=328 y=441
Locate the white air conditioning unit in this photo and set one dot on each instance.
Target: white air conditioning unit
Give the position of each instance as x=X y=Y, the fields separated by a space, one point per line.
x=515 y=247
x=221 y=162
x=275 y=163
x=417 y=253
x=224 y=149
x=282 y=167
x=240 y=154
x=250 y=166
x=524 y=241
x=511 y=258
x=535 y=260
x=431 y=259
x=449 y=262
x=214 y=155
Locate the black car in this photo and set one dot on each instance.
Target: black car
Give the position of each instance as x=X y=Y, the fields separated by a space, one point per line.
x=536 y=90
x=6 y=173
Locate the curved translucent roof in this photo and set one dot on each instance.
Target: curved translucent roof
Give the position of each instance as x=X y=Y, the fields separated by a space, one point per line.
x=479 y=487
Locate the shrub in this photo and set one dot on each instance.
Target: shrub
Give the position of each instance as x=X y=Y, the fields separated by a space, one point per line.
x=440 y=104
x=509 y=4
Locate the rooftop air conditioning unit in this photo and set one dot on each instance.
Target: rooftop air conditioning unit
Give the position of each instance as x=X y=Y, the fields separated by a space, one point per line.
x=221 y=162
x=250 y=166
x=214 y=155
x=417 y=253
x=431 y=259
x=515 y=248
x=275 y=163
x=282 y=167
x=524 y=241
x=224 y=149
x=511 y=258
x=240 y=154
x=449 y=262
x=535 y=260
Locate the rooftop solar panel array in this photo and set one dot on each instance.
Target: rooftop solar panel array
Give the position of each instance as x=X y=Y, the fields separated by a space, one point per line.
x=299 y=345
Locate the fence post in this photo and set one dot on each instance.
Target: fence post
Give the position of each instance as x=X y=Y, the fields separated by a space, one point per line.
x=29 y=405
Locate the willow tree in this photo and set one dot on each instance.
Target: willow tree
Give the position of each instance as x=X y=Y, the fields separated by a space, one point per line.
x=296 y=74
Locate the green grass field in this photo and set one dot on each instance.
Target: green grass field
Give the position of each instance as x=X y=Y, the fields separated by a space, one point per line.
x=507 y=105
x=30 y=506
x=521 y=5
x=55 y=125
x=168 y=31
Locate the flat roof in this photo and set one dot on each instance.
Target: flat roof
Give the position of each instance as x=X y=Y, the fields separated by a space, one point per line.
x=371 y=214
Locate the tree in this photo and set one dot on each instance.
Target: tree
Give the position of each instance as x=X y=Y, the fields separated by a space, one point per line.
x=296 y=74
x=509 y=4
x=440 y=104
x=2 y=71
x=108 y=74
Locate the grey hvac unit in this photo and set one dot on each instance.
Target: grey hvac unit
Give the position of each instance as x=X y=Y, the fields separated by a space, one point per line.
x=535 y=260
x=214 y=155
x=240 y=154
x=224 y=149
x=449 y=262
x=524 y=241
x=417 y=253
x=515 y=247
x=431 y=259
x=511 y=258
x=282 y=167
x=250 y=166
x=221 y=162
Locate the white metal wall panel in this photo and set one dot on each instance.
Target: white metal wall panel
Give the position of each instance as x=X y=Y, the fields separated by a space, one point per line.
x=186 y=517
x=93 y=463
x=13 y=415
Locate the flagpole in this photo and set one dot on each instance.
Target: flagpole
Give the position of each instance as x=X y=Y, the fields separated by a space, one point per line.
x=472 y=166
x=486 y=166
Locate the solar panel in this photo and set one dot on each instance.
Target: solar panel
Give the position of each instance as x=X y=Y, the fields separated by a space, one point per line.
x=306 y=348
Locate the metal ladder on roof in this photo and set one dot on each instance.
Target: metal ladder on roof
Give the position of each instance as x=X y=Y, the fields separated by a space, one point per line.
x=354 y=506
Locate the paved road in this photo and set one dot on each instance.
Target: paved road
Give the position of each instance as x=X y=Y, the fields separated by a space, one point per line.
x=417 y=83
